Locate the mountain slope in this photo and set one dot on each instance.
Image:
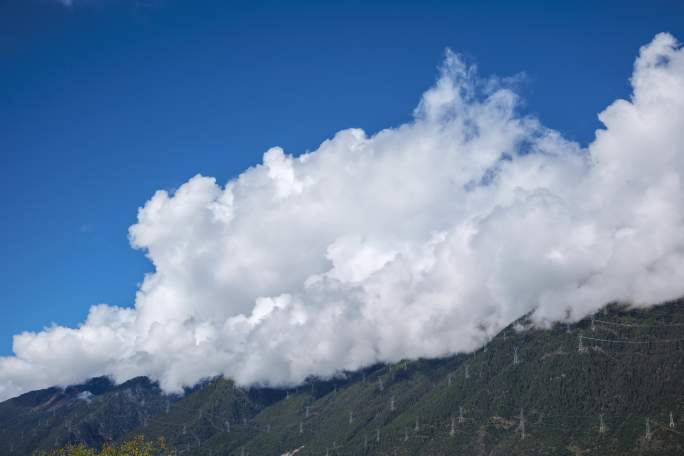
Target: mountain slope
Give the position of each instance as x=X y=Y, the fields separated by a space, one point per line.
x=530 y=391
x=93 y=413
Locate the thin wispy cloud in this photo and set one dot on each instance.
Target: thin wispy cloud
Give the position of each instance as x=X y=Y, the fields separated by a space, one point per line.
x=419 y=241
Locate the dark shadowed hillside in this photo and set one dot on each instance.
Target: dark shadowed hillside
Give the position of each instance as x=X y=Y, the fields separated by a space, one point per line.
x=611 y=386
x=94 y=413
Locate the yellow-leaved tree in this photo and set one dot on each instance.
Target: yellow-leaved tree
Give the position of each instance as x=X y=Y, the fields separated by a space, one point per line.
x=136 y=447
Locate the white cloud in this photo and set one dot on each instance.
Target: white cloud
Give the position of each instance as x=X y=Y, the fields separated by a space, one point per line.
x=402 y=244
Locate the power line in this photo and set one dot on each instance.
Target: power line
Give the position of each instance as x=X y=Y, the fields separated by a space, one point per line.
x=636 y=325
x=629 y=341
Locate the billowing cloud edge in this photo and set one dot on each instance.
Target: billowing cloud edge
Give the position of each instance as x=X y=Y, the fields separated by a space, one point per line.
x=418 y=241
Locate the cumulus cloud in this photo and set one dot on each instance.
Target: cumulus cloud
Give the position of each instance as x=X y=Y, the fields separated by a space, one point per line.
x=418 y=241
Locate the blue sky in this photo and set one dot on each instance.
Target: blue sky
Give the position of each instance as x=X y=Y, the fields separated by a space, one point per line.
x=104 y=102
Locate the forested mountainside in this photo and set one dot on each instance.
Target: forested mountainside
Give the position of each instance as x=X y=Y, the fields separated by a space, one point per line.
x=612 y=384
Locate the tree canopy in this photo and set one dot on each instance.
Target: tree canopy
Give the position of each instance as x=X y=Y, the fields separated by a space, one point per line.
x=138 y=446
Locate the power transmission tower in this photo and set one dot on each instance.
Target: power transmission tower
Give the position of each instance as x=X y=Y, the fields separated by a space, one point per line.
x=522 y=425
x=306 y=412
x=648 y=429
x=301 y=427
x=602 y=425
x=467 y=372
x=405 y=434
x=351 y=417
x=672 y=423
x=516 y=361
x=380 y=385
x=580 y=345
x=460 y=414
x=417 y=426
x=392 y=406
x=452 y=430
x=227 y=426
